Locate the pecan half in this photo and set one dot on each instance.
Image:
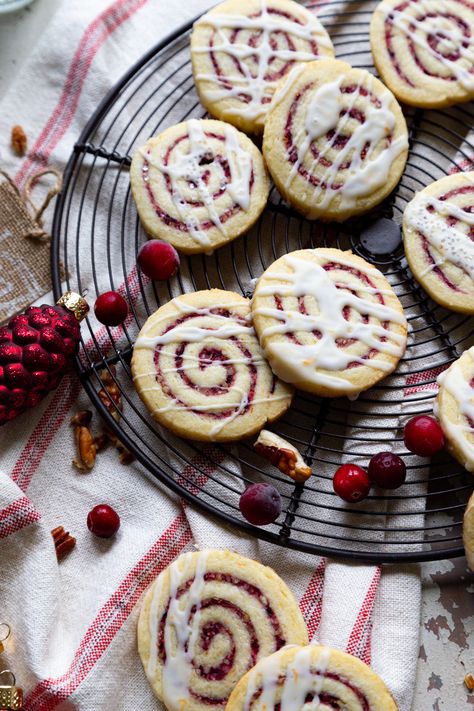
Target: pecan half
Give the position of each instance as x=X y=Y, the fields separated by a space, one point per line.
x=282 y=455
x=18 y=140
x=85 y=443
x=125 y=456
x=110 y=394
x=63 y=542
x=469 y=681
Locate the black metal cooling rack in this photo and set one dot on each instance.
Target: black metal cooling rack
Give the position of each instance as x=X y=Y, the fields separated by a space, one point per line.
x=97 y=235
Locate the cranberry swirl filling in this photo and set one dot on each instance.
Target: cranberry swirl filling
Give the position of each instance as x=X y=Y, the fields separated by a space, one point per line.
x=325 y=151
x=200 y=199
x=437 y=42
x=225 y=630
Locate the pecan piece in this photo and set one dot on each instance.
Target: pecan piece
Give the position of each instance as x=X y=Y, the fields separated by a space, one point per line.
x=18 y=140
x=85 y=442
x=469 y=681
x=125 y=456
x=282 y=455
x=63 y=542
x=110 y=394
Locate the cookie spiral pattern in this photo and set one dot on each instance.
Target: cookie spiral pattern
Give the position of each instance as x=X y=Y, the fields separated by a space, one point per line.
x=335 y=140
x=208 y=619
x=328 y=321
x=313 y=677
x=198 y=366
x=438 y=229
x=455 y=408
x=241 y=49
x=424 y=50
x=199 y=185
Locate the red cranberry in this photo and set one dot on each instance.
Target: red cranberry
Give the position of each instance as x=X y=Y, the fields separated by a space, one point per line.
x=260 y=504
x=103 y=521
x=387 y=470
x=424 y=436
x=158 y=260
x=351 y=483
x=110 y=308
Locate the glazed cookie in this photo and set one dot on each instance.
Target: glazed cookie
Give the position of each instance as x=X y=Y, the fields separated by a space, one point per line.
x=199 y=185
x=438 y=229
x=335 y=140
x=328 y=322
x=312 y=677
x=242 y=48
x=454 y=408
x=424 y=50
x=206 y=620
x=199 y=369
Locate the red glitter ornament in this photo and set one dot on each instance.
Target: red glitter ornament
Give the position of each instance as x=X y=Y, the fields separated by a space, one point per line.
x=35 y=349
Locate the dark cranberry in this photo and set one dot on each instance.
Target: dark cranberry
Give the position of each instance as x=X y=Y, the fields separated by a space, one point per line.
x=387 y=470
x=110 y=308
x=260 y=504
x=103 y=521
x=158 y=260
x=351 y=483
x=424 y=436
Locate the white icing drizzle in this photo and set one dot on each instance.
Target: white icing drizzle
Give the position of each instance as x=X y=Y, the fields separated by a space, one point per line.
x=458 y=386
x=303 y=676
x=197 y=334
x=363 y=176
x=404 y=21
x=181 y=632
x=305 y=361
x=257 y=87
x=454 y=245
x=186 y=166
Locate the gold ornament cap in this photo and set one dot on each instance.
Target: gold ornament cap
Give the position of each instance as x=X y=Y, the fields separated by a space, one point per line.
x=11 y=696
x=76 y=304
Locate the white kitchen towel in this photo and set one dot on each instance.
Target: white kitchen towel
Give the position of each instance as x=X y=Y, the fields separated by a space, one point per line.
x=73 y=644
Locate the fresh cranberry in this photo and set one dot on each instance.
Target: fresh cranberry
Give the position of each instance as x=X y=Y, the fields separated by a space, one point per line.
x=351 y=483
x=158 y=260
x=424 y=436
x=260 y=504
x=110 y=308
x=387 y=470
x=103 y=521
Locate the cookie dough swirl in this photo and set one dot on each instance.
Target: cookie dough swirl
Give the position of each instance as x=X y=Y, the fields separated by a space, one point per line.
x=208 y=619
x=438 y=228
x=199 y=185
x=241 y=49
x=424 y=50
x=455 y=408
x=335 y=140
x=328 y=322
x=198 y=366
x=307 y=678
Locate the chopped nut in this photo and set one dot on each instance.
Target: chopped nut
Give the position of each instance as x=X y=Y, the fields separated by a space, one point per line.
x=110 y=395
x=19 y=140
x=282 y=455
x=85 y=443
x=101 y=442
x=63 y=542
x=125 y=456
x=469 y=681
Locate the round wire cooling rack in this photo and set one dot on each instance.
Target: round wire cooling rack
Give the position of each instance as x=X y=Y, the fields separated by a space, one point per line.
x=96 y=236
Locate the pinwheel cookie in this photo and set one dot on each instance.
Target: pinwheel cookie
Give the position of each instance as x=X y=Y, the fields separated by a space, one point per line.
x=198 y=367
x=328 y=322
x=242 y=48
x=312 y=677
x=206 y=620
x=335 y=140
x=455 y=408
x=424 y=50
x=438 y=228
x=199 y=185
